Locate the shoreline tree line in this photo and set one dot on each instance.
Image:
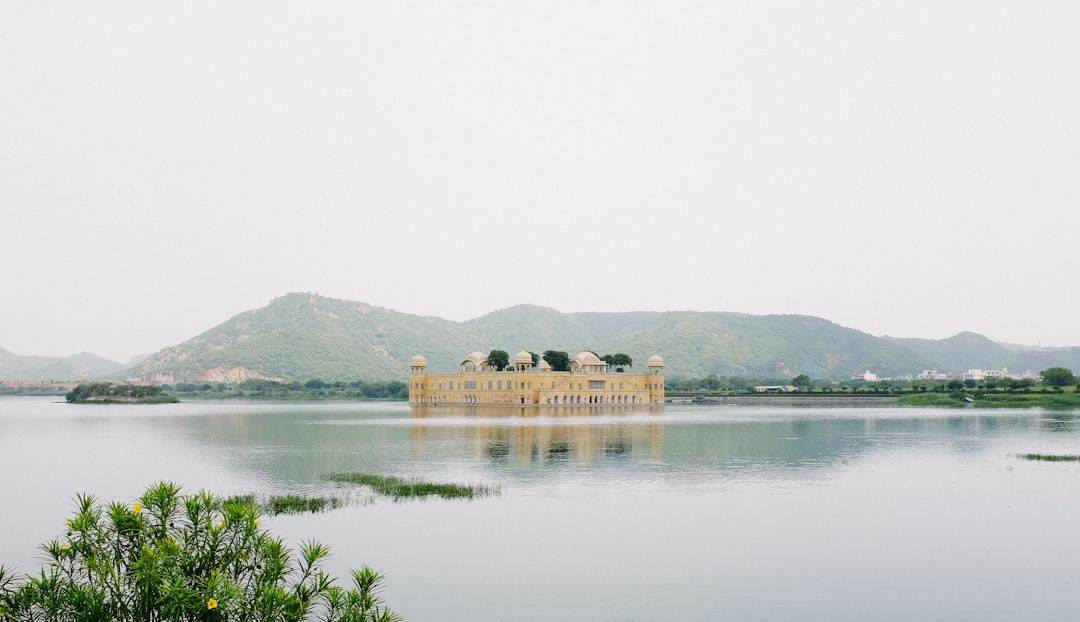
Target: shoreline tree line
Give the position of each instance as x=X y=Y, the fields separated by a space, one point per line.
x=1053 y=379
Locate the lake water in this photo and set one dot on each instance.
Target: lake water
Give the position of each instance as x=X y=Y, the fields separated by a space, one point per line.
x=682 y=513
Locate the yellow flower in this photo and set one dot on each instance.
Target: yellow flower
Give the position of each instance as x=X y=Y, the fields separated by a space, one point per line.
x=136 y=507
x=255 y=522
x=211 y=604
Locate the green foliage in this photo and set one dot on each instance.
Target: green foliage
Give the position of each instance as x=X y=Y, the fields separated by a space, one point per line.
x=182 y=557
x=311 y=390
x=559 y=360
x=1025 y=400
x=738 y=383
x=1049 y=457
x=1022 y=397
x=712 y=382
x=498 y=359
x=289 y=504
x=400 y=488
x=931 y=399
x=802 y=380
x=618 y=360
x=1058 y=377
x=107 y=392
x=300 y=504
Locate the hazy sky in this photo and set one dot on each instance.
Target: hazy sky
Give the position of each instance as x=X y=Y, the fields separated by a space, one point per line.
x=903 y=168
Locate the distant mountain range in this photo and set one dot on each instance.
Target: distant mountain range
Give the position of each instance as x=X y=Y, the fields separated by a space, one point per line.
x=305 y=336
x=82 y=366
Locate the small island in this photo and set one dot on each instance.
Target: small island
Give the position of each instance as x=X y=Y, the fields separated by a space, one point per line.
x=110 y=393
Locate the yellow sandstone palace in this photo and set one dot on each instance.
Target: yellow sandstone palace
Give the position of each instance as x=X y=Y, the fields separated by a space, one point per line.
x=588 y=382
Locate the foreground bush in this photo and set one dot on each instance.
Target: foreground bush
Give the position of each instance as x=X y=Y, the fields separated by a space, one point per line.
x=178 y=557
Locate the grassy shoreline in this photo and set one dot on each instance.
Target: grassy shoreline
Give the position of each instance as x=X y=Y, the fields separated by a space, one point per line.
x=1048 y=400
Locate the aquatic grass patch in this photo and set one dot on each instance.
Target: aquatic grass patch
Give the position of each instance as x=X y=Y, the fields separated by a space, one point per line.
x=413 y=488
x=274 y=505
x=300 y=504
x=1049 y=457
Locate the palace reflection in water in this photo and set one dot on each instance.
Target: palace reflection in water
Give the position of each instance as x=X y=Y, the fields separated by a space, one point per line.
x=505 y=434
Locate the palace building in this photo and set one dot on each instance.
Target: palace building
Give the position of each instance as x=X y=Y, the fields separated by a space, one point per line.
x=589 y=381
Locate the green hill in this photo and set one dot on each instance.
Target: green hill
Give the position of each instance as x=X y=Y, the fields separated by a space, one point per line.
x=763 y=346
x=305 y=336
x=302 y=336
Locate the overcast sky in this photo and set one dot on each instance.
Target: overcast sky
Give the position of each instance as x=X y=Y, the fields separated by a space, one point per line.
x=902 y=168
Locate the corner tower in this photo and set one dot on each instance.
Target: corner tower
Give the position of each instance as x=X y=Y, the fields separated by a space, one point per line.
x=417 y=379
x=656 y=379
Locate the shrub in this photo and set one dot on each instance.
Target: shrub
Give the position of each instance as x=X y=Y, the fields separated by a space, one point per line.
x=177 y=557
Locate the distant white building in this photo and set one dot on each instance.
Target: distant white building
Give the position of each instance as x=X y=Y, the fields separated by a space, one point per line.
x=983 y=374
x=933 y=374
x=774 y=388
x=867 y=375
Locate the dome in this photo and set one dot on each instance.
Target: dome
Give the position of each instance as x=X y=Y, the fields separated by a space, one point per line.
x=418 y=361
x=476 y=358
x=587 y=358
x=545 y=365
x=523 y=358
x=656 y=361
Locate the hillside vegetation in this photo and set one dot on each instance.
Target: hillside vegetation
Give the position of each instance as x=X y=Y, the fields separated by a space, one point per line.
x=305 y=336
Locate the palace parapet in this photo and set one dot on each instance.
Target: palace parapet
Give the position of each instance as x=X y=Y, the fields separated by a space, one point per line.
x=589 y=381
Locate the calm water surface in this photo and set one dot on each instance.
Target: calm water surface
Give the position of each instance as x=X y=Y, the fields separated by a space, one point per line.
x=684 y=513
